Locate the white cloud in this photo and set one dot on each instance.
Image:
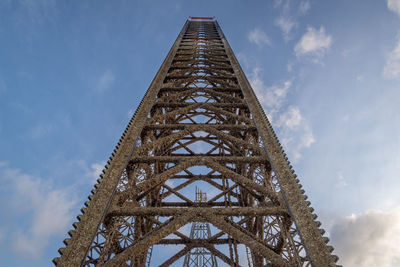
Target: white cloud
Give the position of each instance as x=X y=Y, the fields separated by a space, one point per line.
x=105 y=81
x=272 y=97
x=289 y=67
x=307 y=138
x=295 y=140
x=47 y=214
x=287 y=21
x=313 y=43
x=286 y=24
x=295 y=132
x=95 y=171
x=130 y=113
x=394 y=5
x=341 y=181
x=258 y=37
x=293 y=129
x=243 y=60
x=392 y=67
x=291 y=119
x=40 y=131
x=278 y=3
x=368 y=239
x=304 y=6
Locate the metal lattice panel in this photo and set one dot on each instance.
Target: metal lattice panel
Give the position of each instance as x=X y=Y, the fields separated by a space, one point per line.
x=200 y=256
x=199 y=124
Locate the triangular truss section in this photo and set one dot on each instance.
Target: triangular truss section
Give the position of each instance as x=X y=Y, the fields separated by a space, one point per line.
x=199 y=125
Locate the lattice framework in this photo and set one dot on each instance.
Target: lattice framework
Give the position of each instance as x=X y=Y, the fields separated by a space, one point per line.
x=199 y=123
x=200 y=256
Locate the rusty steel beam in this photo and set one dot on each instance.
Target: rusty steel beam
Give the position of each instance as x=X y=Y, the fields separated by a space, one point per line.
x=177 y=256
x=258 y=247
x=218 y=105
x=158 y=234
x=202 y=127
x=181 y=89
x=195 y=242
x=198 y=159
x=211 y=204
x=199 y=211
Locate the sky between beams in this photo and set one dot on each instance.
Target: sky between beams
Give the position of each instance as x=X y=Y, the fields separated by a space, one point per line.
x=326 y=72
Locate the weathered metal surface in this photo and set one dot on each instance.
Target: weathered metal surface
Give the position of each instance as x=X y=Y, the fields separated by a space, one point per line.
x=199 y=124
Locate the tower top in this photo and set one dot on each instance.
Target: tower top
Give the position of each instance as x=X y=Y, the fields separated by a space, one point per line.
x=201 y=18
x=200 y=196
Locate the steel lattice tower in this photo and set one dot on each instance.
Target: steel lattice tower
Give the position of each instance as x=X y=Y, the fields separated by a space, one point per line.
x=199 y=124
x=200 y=256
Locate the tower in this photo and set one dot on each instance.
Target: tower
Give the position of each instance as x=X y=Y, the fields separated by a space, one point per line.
x=199 y=124
x=200 y=256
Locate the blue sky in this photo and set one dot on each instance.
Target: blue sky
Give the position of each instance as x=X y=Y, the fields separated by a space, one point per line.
x=327 y=73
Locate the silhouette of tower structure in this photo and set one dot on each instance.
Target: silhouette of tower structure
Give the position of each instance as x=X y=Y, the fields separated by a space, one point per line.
x=199 y=124
x=200 y=256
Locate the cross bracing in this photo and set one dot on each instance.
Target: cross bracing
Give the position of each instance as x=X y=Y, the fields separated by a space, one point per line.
x=200 y=231
x=199 y=124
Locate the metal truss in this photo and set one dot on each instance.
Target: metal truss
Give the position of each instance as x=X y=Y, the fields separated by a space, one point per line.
x=200 y=256
x=199 y=124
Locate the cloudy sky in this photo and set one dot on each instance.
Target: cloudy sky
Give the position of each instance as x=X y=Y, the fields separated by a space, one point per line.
x=327 y=73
